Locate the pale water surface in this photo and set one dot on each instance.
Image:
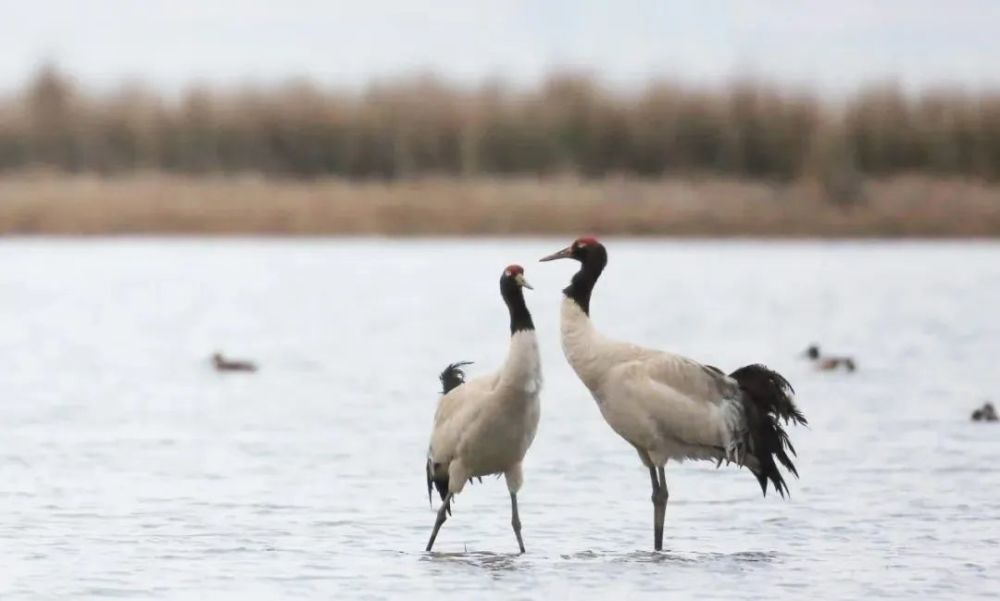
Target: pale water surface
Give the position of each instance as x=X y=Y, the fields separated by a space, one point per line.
x=128 y=468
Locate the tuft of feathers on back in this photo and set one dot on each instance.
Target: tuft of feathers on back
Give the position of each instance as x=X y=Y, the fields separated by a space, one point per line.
x=453 y=376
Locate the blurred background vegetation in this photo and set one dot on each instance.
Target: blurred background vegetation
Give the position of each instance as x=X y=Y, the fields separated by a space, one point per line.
x=419 y=156
x=570 y=123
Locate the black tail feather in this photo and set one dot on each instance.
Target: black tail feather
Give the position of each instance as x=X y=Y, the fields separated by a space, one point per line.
x=430 y=481
x=435 y=481
x=768 y=405
x=441 y=485
x=452 y=377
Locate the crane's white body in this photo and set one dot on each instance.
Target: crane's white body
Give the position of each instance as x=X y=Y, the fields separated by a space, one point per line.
x=486 y=425
x=671 y=407
x=667 y=406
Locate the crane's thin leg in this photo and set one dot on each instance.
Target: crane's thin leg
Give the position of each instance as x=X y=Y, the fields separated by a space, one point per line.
x=442 y=515
x=515 y=520
x=657 y=516
x=660 y=496
x=515 y=478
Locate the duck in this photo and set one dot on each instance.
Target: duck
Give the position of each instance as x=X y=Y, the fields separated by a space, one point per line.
x=986 y=413
x=485 y=425
x=222 y=364
x=668 y=407
x=829 y=363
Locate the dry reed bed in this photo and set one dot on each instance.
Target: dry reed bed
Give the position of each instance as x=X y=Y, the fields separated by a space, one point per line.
x=162 y=204
x=568 y=123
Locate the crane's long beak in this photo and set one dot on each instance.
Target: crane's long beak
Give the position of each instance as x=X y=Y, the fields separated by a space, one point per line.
x=523 y=282
x=566 y=253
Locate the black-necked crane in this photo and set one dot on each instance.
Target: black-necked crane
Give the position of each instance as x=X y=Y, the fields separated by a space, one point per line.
x=829 y=362
x=222 y=364
x=670 y=407
x=485 y=425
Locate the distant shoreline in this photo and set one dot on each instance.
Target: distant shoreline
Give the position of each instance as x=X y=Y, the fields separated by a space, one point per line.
x=47 y=203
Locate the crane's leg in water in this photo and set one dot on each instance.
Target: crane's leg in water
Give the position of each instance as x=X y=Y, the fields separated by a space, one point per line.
x=515 y=478
x=442 y=515
x=660 y=496
x=515 y=520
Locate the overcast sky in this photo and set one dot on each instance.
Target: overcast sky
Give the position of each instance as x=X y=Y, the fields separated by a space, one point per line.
x=834 y=45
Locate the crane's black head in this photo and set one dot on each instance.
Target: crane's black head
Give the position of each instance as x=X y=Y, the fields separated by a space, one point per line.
x=593 y=257
x=585 y=249
x=812 y=352
x=512 y=285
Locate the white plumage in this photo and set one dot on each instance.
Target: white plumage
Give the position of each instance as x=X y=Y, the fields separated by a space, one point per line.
x=486 y=425
x=669 y=407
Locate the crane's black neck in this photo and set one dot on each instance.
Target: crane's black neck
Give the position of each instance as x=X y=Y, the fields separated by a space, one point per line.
x=582 y=284
x=513 y=296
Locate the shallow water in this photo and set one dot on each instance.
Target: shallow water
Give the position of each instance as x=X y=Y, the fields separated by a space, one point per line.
x=128 y=468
